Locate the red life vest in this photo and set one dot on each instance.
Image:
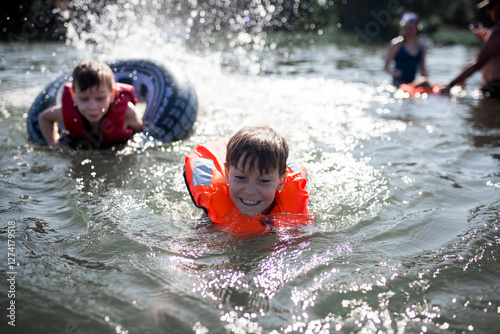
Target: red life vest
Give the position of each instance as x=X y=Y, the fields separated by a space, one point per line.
x=204 y=173
x=112 y=128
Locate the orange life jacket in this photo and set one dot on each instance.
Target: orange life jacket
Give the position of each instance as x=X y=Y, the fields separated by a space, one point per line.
x=112 y=124
x=204 y=173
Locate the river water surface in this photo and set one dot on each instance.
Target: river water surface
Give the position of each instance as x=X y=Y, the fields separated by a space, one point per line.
x=404 y=194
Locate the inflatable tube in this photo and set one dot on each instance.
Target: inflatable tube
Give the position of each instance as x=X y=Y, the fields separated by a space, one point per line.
x=172 y=104
x=412 y=90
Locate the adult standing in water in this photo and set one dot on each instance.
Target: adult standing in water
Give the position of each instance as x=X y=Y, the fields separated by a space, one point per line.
x=488 y=57
x=406 y=52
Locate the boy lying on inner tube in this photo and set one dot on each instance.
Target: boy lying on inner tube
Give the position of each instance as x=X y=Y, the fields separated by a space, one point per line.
x=96 y=111
x=246 y=186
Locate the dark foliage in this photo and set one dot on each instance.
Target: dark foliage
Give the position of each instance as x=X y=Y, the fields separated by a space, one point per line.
x=373 y=20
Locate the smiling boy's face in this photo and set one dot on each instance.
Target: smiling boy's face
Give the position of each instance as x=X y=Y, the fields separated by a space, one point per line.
x=252 y=192
x=93 y=103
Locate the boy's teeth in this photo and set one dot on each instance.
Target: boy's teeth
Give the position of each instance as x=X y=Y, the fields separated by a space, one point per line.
x=249 y=202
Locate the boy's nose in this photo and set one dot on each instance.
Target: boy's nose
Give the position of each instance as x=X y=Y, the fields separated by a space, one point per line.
x=250 y=188
x=93 y=104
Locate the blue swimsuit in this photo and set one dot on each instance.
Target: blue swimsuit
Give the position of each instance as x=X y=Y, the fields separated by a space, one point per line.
x=408 y=65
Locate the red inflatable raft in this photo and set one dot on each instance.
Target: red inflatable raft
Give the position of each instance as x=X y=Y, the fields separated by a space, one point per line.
x=427 y=89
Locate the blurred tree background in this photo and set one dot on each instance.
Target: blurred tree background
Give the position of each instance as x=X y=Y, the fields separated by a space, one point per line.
x=366 y=21
x=23 y=20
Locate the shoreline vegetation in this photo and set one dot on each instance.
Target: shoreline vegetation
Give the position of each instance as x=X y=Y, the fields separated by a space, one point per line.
x=328 y=21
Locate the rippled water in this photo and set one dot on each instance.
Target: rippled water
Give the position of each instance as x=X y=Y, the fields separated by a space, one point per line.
x=404 y=192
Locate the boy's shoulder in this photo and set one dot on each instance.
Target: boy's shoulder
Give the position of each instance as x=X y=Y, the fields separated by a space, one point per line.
x=492 y=44
x=494 y=32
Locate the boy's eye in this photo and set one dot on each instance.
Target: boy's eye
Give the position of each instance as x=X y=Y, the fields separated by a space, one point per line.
x=265 y=181
x=239 y=177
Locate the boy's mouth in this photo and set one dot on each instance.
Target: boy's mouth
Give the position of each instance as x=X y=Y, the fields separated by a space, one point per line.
x=94 y=114
x=248 y=202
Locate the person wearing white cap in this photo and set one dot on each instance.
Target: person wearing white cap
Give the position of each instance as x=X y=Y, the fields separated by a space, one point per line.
x=407 y=53
x=487 y=59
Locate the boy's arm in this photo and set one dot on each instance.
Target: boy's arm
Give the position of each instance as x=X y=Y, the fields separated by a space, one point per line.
x=489 y=50
x=132 y=118
x=47 y=121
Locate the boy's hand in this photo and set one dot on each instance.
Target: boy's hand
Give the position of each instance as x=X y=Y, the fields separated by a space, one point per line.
x=445 y=90
x=57 y=146
x=481 y=33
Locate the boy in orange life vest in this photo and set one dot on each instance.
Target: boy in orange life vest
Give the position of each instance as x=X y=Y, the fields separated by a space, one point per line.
x=96 y=111
x=247 y=177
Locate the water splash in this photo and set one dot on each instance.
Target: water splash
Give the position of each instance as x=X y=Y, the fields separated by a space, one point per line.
x=167 y=30
x=131 y=28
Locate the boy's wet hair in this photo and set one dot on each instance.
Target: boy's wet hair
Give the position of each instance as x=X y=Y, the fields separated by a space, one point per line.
x=259 y=144
x=92 y=73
